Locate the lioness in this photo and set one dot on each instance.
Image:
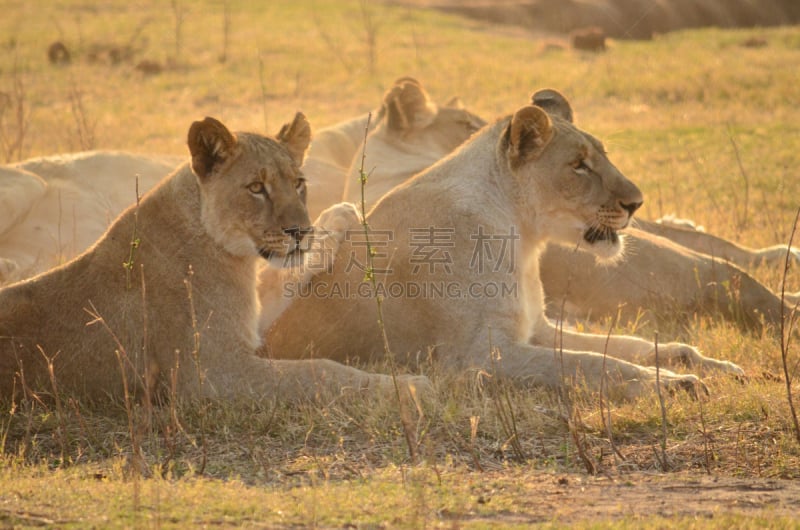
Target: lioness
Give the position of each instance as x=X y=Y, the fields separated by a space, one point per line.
x=490 y=208
x=656 y=275
x=168 y=293
x=56 y=206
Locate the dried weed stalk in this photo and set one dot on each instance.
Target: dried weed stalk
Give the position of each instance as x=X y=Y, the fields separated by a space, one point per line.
x=787 y=327
x=14 y=118
x=84 y=126
x=663 y=458
x=405 y=415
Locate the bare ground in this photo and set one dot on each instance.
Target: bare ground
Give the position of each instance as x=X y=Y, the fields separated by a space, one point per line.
x=572 y=498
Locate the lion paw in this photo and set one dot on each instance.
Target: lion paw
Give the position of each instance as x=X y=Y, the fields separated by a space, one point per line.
x=337 y=220
x=676 y=353
x=726 y=367
x=689 y=383
x=411 y=387
x=645 y=383
x=777 y=255
x=794 y=256
x=330 y=229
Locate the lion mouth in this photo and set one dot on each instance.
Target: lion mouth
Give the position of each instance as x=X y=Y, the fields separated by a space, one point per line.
x=286 y=259
x=593 y=234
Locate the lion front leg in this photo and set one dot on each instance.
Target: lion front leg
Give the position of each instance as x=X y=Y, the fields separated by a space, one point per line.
x=289 y=381
x=542 y=366
x=313 y=378
x=632 y=349
x=676 y=353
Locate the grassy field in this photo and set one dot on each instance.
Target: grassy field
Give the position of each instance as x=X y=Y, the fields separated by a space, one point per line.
x=708 y=128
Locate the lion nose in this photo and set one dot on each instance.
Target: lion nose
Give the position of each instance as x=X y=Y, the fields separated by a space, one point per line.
x=296 y=232
x=630 y=207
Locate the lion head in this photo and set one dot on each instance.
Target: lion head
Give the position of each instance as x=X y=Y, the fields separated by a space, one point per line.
x=411 y=118
x=412 y=133
x=253 y=205
x=563 y=175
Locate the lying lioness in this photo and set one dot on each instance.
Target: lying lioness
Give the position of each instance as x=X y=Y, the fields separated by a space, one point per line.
x=166 y=298
x=452 y=251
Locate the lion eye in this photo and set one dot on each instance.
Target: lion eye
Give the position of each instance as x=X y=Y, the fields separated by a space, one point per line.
x=300 y=186
x=256 y=188
x=580 y=165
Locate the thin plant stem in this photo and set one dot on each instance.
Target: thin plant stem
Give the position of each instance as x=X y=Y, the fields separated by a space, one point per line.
x=664 y=463
x=408 y=431
x=604 y=384
x=742 y=222
x=62 y=424
x=502 y=403
x=787 y=328
x=135 y=242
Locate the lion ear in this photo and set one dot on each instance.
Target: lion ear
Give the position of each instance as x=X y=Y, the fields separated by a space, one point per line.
x=528 y=134
x=455 y=103
x=408 y=106
x=296 y=137
x=210 y=144
x=554 y=103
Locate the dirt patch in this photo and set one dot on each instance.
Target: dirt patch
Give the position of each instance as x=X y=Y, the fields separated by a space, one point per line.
x=633 y=19
x=569 y=499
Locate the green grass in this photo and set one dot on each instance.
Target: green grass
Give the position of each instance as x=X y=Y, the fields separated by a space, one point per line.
x=670 y=112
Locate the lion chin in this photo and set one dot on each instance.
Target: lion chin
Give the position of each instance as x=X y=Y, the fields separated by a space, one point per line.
x=281 y=260
x=593 y=234
x=606 y=243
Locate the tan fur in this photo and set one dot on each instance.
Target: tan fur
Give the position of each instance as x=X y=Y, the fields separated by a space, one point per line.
x=711 y=245
x=410 y=133
x=100 y=184
x=21 y=190
x=530 y=177
x=656 y=276
x=655 y=279
x=328 y=159
x=185 y=305
x=61 y=204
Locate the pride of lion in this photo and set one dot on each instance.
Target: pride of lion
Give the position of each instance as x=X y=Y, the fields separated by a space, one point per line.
x=408 y=134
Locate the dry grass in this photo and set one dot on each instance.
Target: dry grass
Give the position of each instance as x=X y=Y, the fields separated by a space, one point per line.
x=692 y=117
